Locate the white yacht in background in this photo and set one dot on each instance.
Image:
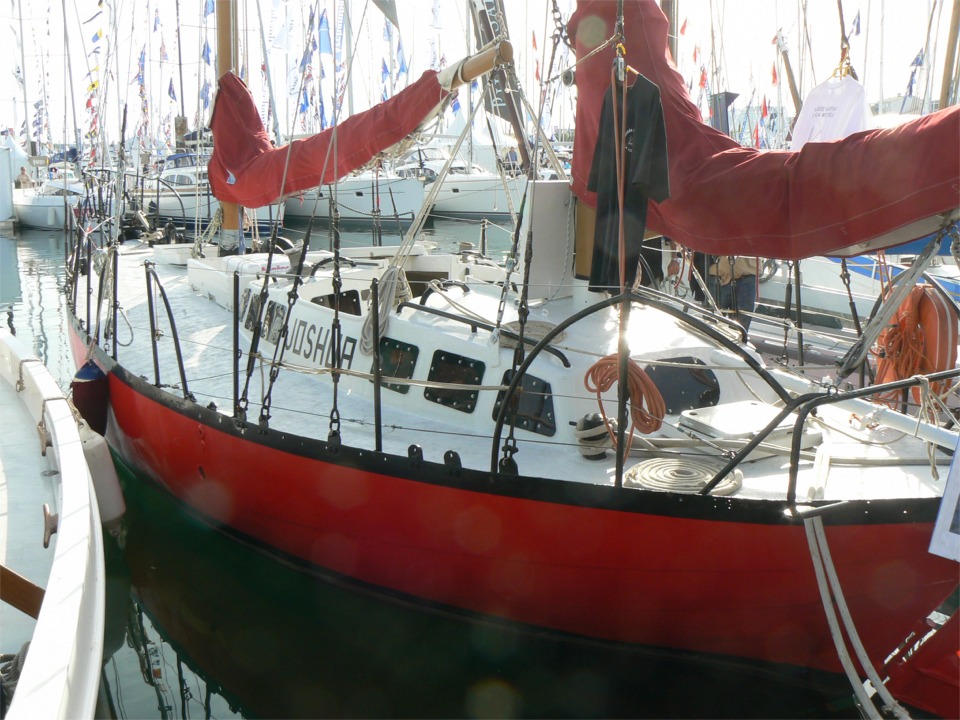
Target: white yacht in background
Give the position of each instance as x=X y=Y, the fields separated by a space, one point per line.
x=49 y=203
x=467 y=190
x=180 y=194
x=361 y=199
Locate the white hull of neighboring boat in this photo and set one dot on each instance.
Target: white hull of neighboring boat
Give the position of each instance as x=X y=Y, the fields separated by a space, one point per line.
x=43 y=212
x=192 y=210
x=478 y=195
x=827 y=323
x=466 y=190
x=61 y=674
x=358 y=197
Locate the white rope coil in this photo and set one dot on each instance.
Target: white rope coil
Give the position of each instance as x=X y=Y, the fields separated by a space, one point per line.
x=687 y=475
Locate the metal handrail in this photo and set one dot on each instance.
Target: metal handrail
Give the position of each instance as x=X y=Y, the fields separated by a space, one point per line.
x=476 y=324
x=151 y=276
x=662 y=302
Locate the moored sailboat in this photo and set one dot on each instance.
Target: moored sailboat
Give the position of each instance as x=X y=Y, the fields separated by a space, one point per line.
x=180 y=194
x=504 y=442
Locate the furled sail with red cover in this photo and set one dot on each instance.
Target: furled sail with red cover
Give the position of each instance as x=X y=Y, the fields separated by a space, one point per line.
x=870 y=190
x=247 y=170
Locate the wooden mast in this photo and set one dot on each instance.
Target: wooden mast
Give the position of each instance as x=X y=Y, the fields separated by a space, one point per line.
x=788 y=71
x=227 y=60
x=953 y=37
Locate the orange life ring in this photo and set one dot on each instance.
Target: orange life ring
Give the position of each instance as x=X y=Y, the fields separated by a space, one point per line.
x=921 y=339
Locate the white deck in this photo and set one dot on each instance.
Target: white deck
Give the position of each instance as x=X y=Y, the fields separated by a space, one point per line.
x=831 y=467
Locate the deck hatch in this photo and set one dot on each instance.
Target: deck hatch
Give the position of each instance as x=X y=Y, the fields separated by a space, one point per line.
x=449 y=367
x=349 y=301
x=273 y=321
x=251 y=302
x=685 y=388
x=397 y=360
x=535 y=405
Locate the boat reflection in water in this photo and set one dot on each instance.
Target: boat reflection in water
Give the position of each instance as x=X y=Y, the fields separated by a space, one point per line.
x=223 y=630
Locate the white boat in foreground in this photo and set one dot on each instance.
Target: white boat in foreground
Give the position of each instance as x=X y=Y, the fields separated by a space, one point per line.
x=53 y=597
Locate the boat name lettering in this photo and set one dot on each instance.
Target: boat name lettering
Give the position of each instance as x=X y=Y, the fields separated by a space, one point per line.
x=312 y=342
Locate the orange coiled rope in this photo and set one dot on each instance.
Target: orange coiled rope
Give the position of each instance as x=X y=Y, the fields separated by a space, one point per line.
x=602 y=376
x=900 y=347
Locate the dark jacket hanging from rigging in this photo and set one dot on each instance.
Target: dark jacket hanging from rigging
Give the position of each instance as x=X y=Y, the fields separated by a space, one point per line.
x=645 y=174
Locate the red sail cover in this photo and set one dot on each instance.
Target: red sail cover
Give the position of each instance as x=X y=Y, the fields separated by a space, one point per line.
x=875 y=188
x=247 y=170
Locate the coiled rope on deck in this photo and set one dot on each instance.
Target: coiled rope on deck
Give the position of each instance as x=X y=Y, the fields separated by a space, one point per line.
x=686 y=475
x=647 y=407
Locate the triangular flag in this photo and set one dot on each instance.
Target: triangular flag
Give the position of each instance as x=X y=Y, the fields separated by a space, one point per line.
x=401 y=60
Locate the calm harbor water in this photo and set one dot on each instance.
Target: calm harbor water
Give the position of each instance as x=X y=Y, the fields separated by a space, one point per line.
x=200 y=625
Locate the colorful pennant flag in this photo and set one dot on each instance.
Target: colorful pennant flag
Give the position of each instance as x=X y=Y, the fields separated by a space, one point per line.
x=324 y=33
x=401 y=60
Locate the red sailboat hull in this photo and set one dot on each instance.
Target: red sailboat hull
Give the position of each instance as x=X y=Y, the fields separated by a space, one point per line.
x=692 y=573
